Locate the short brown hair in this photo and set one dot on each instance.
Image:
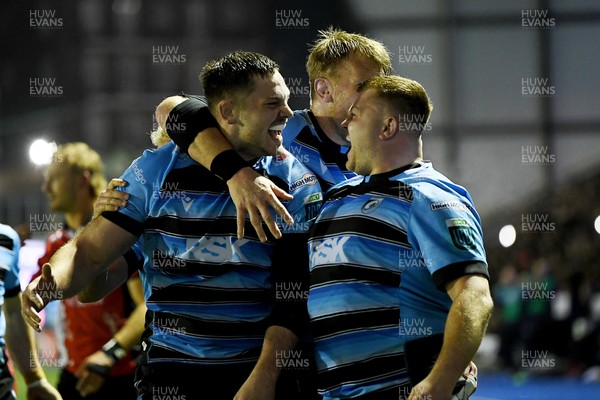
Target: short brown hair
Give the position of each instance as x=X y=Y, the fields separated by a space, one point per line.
x=405 y=95
x=233 y=73
x=334 y=45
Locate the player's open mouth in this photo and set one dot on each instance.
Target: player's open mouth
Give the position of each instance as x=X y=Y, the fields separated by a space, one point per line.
x=275 y=131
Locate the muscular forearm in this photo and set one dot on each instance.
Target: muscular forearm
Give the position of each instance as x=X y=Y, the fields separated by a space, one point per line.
x=277 y=343
x=21 y=345
x=207 y=145
x=465 y=327
x=64 y=262
x=105 y=283
x=130 y=334
x=79 y=262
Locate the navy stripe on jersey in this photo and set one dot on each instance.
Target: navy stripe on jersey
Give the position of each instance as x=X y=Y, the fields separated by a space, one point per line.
x=358 y=225
x=334 y=273
x=207 y=295
x=6 y=242
x=395 y=189
x=344 y=322
x=166 y=323
x=171 y=265
x=158 y=353
x=389 y=367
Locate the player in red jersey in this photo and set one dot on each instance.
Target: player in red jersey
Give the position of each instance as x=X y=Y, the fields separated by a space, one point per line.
x=98 y=335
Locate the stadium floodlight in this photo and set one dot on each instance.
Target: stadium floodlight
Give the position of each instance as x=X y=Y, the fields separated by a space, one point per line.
x=507 y=235
x=41 y=152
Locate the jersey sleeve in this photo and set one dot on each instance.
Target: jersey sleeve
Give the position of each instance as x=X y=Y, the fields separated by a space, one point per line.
x=307 y=201
x=10 y=245
x=144 y=177
x=187 y=119
x=446 y=231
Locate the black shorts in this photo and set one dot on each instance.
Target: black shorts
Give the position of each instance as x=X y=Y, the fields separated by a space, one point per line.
x=114 y=387
x=164 y=379
x=6 y=380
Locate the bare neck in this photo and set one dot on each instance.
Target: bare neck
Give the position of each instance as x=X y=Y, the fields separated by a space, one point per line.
x=77 y=218
x=392 y=156
x=332 y=129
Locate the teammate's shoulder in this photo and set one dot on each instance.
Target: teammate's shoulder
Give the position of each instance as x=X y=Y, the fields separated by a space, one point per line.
x=294 y=125
x=340 y=189
x=300 y=117
x=432 y=186
x=285 y=164
x=155 y=159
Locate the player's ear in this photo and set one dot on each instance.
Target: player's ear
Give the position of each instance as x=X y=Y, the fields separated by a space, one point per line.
x=86 y=179
x=389 y=128
x=225 y=110
x=322 y=87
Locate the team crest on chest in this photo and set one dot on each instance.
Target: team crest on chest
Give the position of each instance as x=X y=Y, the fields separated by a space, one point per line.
x=371 y=204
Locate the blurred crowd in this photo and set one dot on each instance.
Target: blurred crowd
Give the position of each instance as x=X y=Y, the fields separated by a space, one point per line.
x=546 y=286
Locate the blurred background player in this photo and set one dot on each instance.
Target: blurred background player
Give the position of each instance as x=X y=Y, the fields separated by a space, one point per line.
x=14 y=332
x=98 y=336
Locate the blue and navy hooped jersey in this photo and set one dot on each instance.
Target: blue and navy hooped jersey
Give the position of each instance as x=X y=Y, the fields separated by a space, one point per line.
x=10 y=244
x=210 y=294
x=381 y=251
x=303 y=137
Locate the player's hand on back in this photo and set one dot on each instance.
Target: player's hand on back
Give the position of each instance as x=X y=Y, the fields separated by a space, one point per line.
x=254 y=195
x=111 y=199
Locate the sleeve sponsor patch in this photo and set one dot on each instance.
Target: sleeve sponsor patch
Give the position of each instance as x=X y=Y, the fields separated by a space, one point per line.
x=450 y=204
x=312 y=205
x=463 y=236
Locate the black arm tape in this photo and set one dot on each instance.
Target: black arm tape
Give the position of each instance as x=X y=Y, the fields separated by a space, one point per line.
x=187 y=119
x=133 y=263
x=454 y=271
x=226 y=164
x=12 y=292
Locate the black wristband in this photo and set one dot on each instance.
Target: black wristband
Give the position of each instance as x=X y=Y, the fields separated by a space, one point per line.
x=226 y=164
x=101 y=370
x=114 y=350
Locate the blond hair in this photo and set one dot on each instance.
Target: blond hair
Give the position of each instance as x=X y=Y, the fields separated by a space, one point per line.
x=334 y=45
x=159 y=137
x=81 y=158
